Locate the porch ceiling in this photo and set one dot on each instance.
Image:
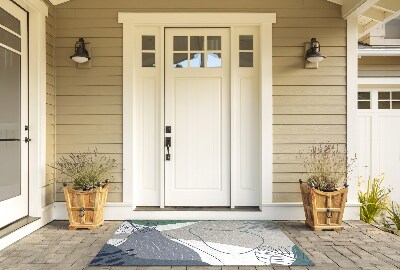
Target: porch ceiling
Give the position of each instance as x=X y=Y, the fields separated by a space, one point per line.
x=371 y=13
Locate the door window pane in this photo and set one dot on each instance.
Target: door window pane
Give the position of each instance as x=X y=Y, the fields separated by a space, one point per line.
x=214 y=43
x=10 y=21
x=180 y=43
x=396 y=105
x=384 y=95
x=246 y=42
x=245 y=59
x=10 y=40
x=10 y=123
x=214 y=60
x=384 y=105
x=148 y=43
x=148 y=59
x=197 y=60
x=396 y=95
x=196 y=43
x=180 y=60
x=364 y=105
x=364 y=95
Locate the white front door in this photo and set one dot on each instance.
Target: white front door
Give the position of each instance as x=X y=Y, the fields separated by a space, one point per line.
x=379 y=133
x=13 y=113
x=197 y=110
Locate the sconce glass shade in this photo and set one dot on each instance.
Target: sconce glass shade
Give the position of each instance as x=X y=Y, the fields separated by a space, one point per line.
x=81 y=54
x=313 y=54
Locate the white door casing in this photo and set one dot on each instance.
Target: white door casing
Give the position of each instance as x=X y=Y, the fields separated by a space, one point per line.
x=16 y=207
x=248 y=85
x=197 y=107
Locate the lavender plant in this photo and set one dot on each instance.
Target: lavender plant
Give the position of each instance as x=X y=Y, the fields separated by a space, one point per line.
x=85 y=169
x=326 y=167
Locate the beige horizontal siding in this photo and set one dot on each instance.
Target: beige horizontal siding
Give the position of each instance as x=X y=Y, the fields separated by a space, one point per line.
x=379 y=66
x=309 y=104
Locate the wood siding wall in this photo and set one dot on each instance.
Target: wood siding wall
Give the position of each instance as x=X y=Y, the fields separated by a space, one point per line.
x=379 y=66
x=50 y=105
x=309 y=104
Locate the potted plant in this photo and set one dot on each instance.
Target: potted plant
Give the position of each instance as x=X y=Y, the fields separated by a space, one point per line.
x=86 y=198
x=324 y=191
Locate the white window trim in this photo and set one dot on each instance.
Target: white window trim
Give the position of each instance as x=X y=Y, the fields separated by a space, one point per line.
x=131 y=156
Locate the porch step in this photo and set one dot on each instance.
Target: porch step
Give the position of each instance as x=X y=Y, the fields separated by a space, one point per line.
x=196 y=209
x=16 y=225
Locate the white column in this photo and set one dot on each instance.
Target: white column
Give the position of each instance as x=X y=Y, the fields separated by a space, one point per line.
x=352 y=88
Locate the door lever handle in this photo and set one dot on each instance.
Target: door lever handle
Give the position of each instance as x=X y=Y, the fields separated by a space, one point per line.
x=168 y=145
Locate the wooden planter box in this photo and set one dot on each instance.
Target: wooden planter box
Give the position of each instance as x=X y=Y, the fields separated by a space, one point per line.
x=86 y=208
x=323 y=210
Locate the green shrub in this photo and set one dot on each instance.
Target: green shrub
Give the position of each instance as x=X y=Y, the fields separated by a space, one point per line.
x=393 y=214
x=374 y=200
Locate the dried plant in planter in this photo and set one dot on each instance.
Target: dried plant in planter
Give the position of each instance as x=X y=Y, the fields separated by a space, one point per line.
x=326 y=168
x=86 y=200
x=86 y=169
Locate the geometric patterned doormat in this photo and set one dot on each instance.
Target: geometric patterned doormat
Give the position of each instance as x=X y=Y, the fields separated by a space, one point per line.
x=171 y=243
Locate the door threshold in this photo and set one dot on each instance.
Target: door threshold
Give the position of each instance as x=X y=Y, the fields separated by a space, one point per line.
x=198 y=209
x=16 y=225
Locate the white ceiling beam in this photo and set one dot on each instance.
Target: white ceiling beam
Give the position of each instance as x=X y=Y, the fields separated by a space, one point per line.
x=338 y=2
x=389 y=5
x=57 y=2
x=375 y=14
x=373 y=24
x=356 y=7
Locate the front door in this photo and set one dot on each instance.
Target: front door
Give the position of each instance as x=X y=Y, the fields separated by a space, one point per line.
x=13 y=113
x=378 y=137
x=197 y=117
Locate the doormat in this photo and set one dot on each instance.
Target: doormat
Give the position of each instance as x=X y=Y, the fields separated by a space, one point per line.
x=185 y=243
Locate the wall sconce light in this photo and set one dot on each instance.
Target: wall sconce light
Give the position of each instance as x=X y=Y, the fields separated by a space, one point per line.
x=313 y=55
x=81 y=54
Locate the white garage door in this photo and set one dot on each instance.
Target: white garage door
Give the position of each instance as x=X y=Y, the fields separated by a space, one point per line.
x=379 y=136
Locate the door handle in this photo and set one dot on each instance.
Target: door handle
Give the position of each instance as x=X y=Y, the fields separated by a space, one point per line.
x=27 y=139
x=168 y=145
x=10 y=140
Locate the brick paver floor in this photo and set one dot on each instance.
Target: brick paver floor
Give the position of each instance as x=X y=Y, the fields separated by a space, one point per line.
x=358 y=246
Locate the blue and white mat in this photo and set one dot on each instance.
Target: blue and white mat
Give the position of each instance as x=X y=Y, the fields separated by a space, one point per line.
x=151 y=243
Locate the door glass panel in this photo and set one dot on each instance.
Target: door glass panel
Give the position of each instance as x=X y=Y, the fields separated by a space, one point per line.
x=10 y=40
x=246 y=42
x=396 y=105
x=10 y=123
x=196 y=43
x=197 y=60
x=364 y=105
x=180 y=60
x=245 y=59
x=214 y=60
x=9 y=21
x=384 y=95
x=383 y=105
x=148 y=59
x=148 y=43
x=364 y=95
x=396 y=95
x=180 y=43
x=214 y=43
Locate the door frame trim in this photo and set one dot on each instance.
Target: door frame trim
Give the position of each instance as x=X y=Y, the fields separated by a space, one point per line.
x=37 y=13
x=131 y=119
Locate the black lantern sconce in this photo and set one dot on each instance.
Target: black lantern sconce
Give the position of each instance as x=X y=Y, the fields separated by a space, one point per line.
x=313 y=54
x=81 y=54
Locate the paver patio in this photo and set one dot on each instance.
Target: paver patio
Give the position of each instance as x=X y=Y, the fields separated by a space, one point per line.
x=358 y=246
